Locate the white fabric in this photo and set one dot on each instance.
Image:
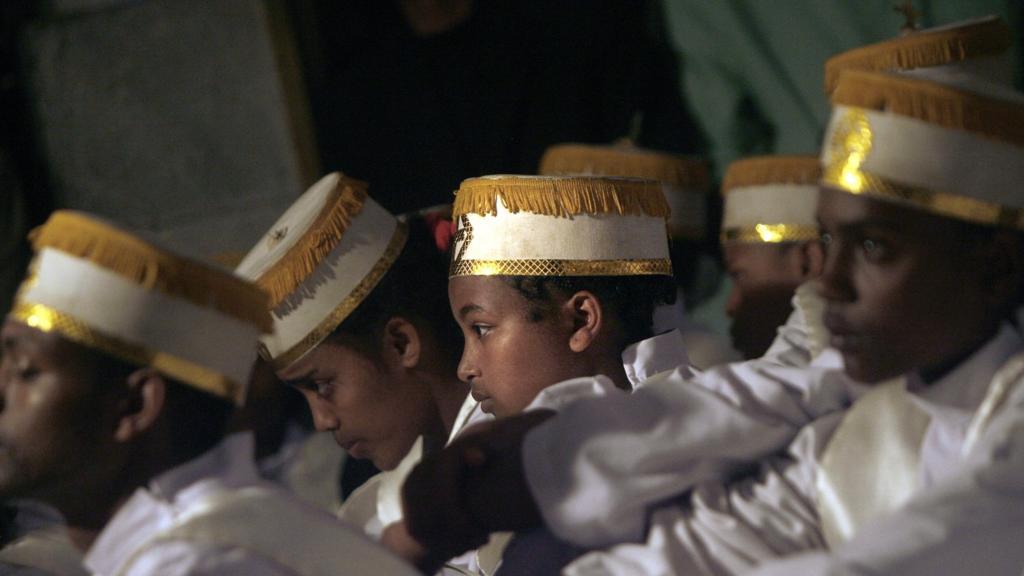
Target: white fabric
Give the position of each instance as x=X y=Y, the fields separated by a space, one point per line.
x=289 y=228
x=770 y=204
x=149 y=533
x=528 y=236
x=730 y=528
x=917 y=153
x=334 y=279
x=308 y=464
x=703 y=347
x=984 y=75
x=39 y=544
x=596 y=468
x=118 y=307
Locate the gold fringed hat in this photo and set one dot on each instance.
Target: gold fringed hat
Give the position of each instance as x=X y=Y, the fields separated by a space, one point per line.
x=684 y=180
x=948 y=151
x=319 y=261
x=107 y=289
x=971 y=52
x=560 y=226
x=771 y=199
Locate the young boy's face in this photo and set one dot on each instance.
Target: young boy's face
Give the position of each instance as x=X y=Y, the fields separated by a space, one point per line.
x=50 y=417
x=904 y=290
x=511 y=353
x=374 y=409
x=764 y=277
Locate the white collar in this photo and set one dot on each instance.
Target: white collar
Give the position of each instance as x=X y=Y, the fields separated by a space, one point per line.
x=962 y=389
x=654 y=355
x=170 y=499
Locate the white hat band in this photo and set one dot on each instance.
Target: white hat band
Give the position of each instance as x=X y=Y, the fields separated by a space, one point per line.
x=523 y=243
x=174 y=335
x=770 y=213
x=338 y=284
x=953 y=171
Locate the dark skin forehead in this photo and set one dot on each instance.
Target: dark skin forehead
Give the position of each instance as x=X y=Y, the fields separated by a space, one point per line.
x=850 y=213
x=17 y=338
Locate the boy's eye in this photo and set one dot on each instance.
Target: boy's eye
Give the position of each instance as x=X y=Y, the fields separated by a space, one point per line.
x=873 y=249
x=825 y=239
x=481 y=329
x=323 y=388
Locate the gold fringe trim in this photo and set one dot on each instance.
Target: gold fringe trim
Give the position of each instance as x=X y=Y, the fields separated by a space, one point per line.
x=933 y=103
x=625 y=160
x=640 y=267
x=153 y=268
x=344 y=203
x=851 y=143
x=766 y=170
x=561 y=197
x=923 y=49
x=349 y=303
x=770 y=233
x=50 y=320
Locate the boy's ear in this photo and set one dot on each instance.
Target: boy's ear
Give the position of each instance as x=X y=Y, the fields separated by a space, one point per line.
x=401 y=342
x=141 y=403
x=588 y=320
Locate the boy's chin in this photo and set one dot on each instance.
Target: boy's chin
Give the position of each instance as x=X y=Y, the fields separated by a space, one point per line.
x=863 y=370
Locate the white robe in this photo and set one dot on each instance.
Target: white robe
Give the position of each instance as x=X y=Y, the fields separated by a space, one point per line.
x=39 y=544
x=597 y=468
x=214 y=515
x=967 y=517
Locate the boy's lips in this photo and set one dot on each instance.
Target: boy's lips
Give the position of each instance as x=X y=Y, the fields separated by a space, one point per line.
x=486 y=403
x=842 y=336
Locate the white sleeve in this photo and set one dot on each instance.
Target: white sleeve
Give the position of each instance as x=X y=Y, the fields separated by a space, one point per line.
x=597 y=467
x=971 y=524
x=726 y=528
x=181 y=558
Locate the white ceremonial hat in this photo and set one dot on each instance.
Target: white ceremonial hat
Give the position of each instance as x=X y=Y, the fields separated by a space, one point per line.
x=104 y=288
x=946 y=150
x=560 y=226
x=685 y=180
x=319 y=261
x=973 y=53
x=771 y=199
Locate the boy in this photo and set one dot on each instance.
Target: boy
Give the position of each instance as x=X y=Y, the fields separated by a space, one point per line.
x=769 y=238
x=923 y=271
x=362 y=331
x=121 y=362
x=685 y=182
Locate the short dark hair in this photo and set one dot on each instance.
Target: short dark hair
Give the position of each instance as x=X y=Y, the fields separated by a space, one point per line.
x=414 y=287
x=631 y=299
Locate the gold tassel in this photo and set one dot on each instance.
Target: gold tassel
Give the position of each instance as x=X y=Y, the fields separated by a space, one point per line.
x=152 y=268
x=922 y=50
x=561 y=197
x=933 y=103
x=625 y=160
x=764 y=170
x=290 y=271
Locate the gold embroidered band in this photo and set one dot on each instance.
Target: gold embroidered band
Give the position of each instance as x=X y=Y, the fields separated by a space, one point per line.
x=770 y=233
x=46 y=319
x=345 y=307
x=851 y=143
x=640 y=267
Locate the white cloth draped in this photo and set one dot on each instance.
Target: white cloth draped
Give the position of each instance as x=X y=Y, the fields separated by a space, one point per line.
x=214 y=515
x=596 y=469
x=964 y=519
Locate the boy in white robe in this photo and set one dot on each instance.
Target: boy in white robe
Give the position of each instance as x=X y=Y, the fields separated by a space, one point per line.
x=560 y=496
x=121 y=362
